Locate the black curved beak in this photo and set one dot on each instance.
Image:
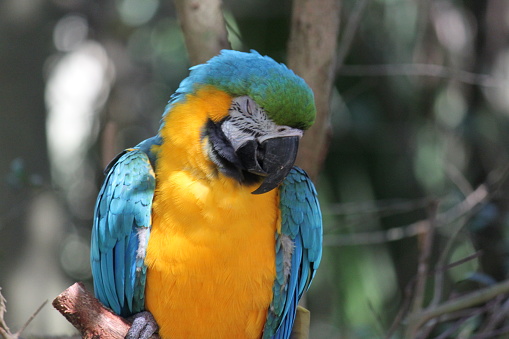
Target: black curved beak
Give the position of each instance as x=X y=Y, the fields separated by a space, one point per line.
x=272 y=159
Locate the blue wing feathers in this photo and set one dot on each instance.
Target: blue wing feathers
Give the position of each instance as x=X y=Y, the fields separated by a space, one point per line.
x=120 y=270
x=298 y=251
x=285 y=329
x=108 y=280
x=122 y=209
x=130 y=264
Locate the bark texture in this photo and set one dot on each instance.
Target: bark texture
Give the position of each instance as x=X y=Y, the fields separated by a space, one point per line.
x=204 y=28
x=312 y=55
x=89 y=316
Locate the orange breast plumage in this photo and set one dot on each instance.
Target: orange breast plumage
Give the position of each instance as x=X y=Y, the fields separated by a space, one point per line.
x=211 y=253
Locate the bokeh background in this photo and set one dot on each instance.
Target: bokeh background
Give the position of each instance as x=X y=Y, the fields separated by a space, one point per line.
x=419 y=121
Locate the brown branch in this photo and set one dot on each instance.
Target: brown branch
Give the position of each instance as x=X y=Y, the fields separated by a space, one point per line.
x=386 y=207
x=311 y=54
x=31 y=318
x=89 y=316
x=430 y=70
x=425 y=249
x=417 y=320
x=349 y=32
x=464 y=208
x=204 y=29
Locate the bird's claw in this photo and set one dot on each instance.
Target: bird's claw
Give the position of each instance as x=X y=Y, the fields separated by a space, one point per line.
x=143 y=326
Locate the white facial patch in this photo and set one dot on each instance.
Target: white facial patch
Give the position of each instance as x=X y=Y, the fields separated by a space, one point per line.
x=248 y=121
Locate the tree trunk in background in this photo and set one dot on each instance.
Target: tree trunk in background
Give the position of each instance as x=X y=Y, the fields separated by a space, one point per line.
x=312 y=55
x=203 y=27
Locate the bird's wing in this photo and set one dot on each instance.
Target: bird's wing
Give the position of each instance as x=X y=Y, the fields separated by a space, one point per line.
x=298 y=251
x=121 y=230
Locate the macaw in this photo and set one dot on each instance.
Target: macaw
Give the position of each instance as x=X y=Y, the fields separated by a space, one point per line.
x=208 y=226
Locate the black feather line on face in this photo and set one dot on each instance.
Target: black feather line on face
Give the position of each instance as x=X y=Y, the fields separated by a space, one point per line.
x=221 y=152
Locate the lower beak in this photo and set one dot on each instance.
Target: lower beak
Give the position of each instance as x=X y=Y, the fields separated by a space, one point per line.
x=272 y=159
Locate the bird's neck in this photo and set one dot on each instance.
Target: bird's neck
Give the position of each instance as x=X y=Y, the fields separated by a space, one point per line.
x=184 y=144
x=185 y=170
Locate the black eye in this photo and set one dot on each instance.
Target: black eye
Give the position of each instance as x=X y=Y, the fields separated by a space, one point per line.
x=281 y=129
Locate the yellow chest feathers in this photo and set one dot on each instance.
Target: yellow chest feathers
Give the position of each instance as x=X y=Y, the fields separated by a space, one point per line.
x=211 y=255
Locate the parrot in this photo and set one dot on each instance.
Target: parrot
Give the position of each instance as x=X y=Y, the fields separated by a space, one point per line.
x=207 y=229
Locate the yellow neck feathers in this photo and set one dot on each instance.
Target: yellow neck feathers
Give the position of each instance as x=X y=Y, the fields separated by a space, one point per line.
x=183 y=126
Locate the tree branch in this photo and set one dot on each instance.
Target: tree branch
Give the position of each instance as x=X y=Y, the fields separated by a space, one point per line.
x=89 y=316
x=425 y=246
x=469 y=300
x=312 y=55
x=349 y=31
x=430 y=70
x=463 y=208
x=204 y=29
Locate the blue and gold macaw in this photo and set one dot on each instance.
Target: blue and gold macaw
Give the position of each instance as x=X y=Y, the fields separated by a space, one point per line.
x=208 y=226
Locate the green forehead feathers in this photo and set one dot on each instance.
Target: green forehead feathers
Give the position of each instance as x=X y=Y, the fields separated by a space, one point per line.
x=285 y=97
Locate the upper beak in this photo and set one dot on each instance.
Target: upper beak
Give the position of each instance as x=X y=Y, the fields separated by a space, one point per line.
x=272 y=159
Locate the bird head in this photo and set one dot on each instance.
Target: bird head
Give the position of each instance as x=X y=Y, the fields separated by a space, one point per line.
x=256 y=140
